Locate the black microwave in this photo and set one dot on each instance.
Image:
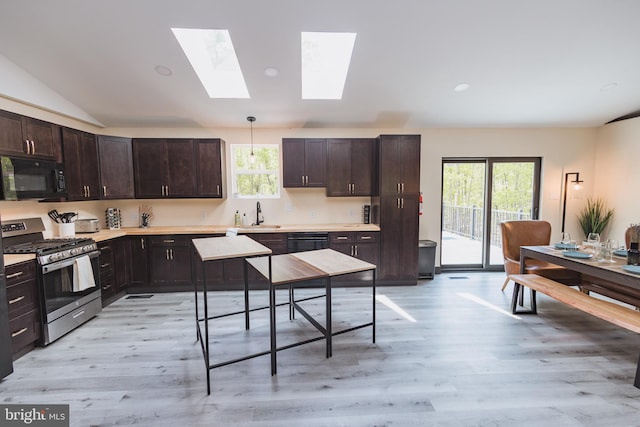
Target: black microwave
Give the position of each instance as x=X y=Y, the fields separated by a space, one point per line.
x=32 y=179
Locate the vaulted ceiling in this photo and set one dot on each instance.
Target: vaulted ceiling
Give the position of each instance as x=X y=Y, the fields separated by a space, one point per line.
x=545 y=63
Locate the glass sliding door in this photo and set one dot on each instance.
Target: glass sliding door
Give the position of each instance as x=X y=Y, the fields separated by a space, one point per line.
x=478 y=194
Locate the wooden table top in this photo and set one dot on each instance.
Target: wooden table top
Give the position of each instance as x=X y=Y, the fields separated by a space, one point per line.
x=332 y=262
x=226 y=247
x=286 y=269
x=300 y=266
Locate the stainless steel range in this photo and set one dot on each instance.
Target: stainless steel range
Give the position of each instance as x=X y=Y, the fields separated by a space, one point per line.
x=68 y=277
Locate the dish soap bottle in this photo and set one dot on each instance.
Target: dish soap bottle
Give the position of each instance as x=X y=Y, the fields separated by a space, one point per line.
x=236 y=219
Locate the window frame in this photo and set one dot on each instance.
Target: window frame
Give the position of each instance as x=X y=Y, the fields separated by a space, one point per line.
x=235 y=171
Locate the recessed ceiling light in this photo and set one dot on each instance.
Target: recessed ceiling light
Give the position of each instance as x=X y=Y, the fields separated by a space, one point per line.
x=608 y=87
x=271 y=72
x=325 y=63
x=214 y=60
x=461 y=87
x=163 y=71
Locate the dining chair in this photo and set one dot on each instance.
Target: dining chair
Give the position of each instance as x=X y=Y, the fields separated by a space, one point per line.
x=531 y=233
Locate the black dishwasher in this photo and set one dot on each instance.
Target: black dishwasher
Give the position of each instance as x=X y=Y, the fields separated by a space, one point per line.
x=307 y=241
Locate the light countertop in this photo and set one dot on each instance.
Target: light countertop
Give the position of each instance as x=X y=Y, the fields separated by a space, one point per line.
x=103 y=235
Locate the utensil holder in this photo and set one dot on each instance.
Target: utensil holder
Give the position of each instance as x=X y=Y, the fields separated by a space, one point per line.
x=67 y=229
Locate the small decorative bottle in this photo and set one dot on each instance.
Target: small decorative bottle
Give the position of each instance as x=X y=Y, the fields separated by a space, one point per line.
x=633 y=254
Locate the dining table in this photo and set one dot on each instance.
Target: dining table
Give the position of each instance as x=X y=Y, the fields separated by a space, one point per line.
x=610 y=276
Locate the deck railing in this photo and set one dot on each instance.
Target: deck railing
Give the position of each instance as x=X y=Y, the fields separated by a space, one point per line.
x=467 y=221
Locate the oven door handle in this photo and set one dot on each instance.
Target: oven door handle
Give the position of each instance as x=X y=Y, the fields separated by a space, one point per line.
x=66 y=263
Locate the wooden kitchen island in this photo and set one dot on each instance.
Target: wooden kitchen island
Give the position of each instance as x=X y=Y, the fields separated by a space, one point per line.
x=279 y=270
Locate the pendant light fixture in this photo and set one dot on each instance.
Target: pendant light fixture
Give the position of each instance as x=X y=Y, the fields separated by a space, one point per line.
x=252 y=157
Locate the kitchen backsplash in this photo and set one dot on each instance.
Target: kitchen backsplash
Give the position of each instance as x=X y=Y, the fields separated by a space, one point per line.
x=295 y=206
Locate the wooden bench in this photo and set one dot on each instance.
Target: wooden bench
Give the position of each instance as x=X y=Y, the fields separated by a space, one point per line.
x=612 y=312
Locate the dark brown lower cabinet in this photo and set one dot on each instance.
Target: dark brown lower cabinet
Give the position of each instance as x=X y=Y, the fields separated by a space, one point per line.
x=170 y=261
x=24 y=307
x=361 y=245
x=138 y=264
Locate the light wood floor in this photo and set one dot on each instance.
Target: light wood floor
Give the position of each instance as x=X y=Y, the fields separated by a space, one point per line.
x=460 y=363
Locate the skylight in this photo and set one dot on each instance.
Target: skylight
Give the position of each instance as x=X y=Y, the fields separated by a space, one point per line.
x=325 y=62
x=214 y=60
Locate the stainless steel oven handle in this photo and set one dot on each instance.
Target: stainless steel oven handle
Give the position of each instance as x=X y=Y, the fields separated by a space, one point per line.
x=66 y=263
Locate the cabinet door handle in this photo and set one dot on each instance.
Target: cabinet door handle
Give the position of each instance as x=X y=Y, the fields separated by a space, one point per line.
x=398 y=188
x=20 y=332
x=15 y=300
x=218 y=189
x=33 y=147
x=171 y=254
x=104 y=190
x=88 y=191
x=356 y=250
x=105 y=265
x=142 y=243
x=18 y=274
x=351 y=250
x=402 y=203
x=169 y=241
x=402 y=188
x=106 y=287
x=398 y=203
x=167 y=192
x=26 y=143
x=302 y=180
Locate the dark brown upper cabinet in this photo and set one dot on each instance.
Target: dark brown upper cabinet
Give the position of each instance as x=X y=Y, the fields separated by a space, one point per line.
x=399 y=168
x=304 y=162
x=174 y=168
x=210 y=177
x=23 y=136
x=350 y=167
x=81 y=165
x=116 y=167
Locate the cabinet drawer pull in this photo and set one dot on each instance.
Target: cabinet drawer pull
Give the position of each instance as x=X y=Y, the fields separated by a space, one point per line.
x=104 y=288
x=341 y=238
x=80 y=313
x=105 y=265
x=365 y=238
x=169 y=241
x=18 y=274
x=15 y=300
x=20 y=332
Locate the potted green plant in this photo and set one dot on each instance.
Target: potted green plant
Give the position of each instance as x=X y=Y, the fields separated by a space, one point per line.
x=594 y=217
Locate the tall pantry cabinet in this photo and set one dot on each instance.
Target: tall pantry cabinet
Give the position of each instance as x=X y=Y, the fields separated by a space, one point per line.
x=396 y=208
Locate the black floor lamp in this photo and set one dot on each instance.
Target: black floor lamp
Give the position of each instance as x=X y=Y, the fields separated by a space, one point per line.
x=576 y=183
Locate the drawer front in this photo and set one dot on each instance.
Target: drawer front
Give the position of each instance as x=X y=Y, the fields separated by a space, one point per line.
x=22 y=298
x=339 y=237
x=24 y=330
x=169 y=240
x=20 y=272
x=367 y=237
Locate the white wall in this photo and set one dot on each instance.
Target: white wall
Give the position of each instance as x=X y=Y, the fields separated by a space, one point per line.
x=617 y=168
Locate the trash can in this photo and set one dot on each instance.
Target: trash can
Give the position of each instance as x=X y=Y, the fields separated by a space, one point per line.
x=426 y=259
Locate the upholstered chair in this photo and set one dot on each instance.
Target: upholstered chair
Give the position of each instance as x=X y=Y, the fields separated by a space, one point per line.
x=531 y=233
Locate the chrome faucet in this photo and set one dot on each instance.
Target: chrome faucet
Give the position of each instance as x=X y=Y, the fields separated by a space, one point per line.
x=258 y=212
